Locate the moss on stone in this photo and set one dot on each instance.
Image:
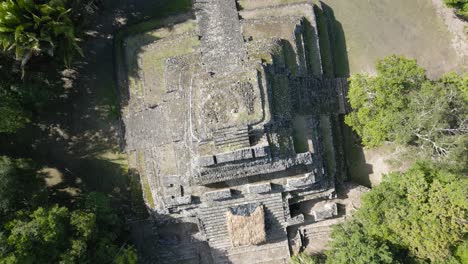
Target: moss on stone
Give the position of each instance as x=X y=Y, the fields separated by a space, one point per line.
x=144 y=180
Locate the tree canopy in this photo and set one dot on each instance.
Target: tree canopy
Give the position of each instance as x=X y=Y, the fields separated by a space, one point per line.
x=60 y=235
x=418 y=215
x=20 y=186
x=29 y=28
x=461 y=7
x=353 y=244
x=400 y=104
x=32 y=231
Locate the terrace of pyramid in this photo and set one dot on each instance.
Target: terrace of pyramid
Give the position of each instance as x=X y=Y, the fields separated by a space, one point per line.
x=234 y=130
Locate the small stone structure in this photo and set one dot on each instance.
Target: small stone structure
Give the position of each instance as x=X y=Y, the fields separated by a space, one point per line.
x=228 y=122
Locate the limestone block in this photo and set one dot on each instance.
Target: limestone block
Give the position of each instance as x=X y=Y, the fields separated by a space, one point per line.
x=262 y=152
x=205 y=161
x=259 y=188
x=297 y=220
x=234 y=156
x=307 y=179
x=218 y=195
x=170 y=181
x=327 y=211
x=187 y=199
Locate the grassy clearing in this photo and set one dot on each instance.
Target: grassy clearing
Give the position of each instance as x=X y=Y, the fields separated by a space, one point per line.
x=375 y=29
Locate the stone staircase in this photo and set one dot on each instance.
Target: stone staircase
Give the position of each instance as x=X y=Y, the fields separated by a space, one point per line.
x=214 y=225
x=232 y=138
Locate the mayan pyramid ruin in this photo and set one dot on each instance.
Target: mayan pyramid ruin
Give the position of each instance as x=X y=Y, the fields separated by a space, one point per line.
x=232 y=127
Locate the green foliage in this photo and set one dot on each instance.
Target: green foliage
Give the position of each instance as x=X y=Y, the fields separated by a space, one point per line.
x=12 y=115
x=378 y=101
x=39 y=237
x=20 y=186
x=401 y=105
x=58 y=235
x=127 y=256
x=461 y=7
x=423 y=211
x=352 y=244
x=89 y=234
x=303 y=258
x=28 y=28
x=22 y=99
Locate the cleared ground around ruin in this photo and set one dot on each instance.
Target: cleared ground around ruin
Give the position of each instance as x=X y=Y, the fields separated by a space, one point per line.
x=375 y=29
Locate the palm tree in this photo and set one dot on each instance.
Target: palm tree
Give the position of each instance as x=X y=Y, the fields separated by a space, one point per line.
x=28 y=29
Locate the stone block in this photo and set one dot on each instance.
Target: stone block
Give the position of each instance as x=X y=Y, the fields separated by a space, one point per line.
x=234 y=156
x=218 y=195
x=307 y=179
x=205 y=161
x=329 y=210
x=170 y=181
x=262 y=152
x=181 y=200
x=259 y=188
x=297 y=220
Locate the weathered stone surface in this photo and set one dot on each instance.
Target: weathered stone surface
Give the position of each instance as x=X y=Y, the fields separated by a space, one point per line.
x=259 y=188
x=237 y=155
x=218 y=195
x=297 y=220
x=262 y=152
x=180 y=200
x=325 y=211
x=301 y=162
x=306 y=180
x=205 y=161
